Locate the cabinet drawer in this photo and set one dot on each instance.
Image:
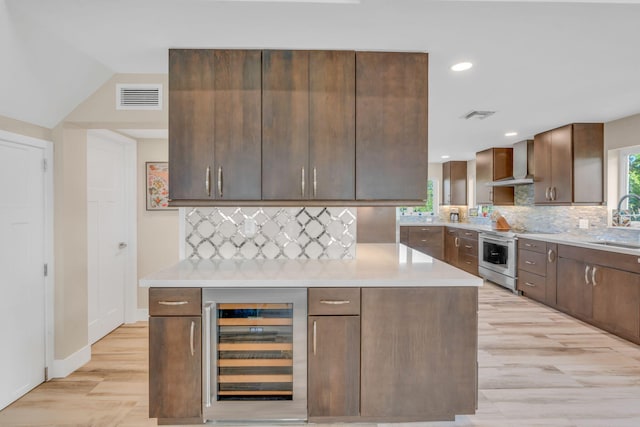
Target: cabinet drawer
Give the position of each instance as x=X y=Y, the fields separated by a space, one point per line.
x=532 y=245
x=175 y=302
x=425 y=236
x=469 y=247
x=334 y=301
x=468 y=263
x=533 y=262
x=532 y=285
x=468 y=234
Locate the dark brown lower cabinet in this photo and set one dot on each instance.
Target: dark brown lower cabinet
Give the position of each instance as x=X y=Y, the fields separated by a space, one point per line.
x=419 y=353
x=175 y=376
x=574 y=290
x=616 y=301
x=334 y=366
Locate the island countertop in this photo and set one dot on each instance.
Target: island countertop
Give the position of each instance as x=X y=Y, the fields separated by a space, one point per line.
x=375 y=265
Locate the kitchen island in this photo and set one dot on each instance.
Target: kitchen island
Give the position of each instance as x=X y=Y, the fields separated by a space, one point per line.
x=390 y=336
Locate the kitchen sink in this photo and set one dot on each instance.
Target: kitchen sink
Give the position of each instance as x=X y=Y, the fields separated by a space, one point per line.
x=615 y=244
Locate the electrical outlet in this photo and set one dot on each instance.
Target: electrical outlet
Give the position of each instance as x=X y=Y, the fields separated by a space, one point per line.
x=583 y=223
x=249 y=227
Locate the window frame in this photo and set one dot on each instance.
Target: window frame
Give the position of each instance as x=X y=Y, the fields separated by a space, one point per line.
x=623 y=169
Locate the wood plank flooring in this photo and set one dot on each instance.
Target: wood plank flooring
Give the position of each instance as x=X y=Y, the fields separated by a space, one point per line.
x=538 y=367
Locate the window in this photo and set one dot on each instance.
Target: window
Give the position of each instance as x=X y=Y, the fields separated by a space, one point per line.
x=430 y=206
x=630 y=178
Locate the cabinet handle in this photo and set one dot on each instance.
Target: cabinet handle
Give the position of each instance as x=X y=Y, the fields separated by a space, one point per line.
x=315 y=183
x=530 y=262
x=468 y=246
x=586 y=274
x=529 y=245
x=457 y=242
x=468 y=262
x=207 y=354
x=173 y=302
x=191 y=337
x=220 y=181
x=207 y=181
x=593 y=276
x=334 y=301
x=423 y=240
x=553 y=193
x=546 y=193
x=466 y=233
x=302 y=181
x=551 y=256
x=315 y=343
x=530 y=284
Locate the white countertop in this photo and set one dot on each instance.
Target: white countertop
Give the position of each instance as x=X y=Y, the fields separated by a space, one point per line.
x=375 y=265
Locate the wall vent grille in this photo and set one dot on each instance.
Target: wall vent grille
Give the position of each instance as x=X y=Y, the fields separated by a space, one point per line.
x=478 y=115
x=139 y=97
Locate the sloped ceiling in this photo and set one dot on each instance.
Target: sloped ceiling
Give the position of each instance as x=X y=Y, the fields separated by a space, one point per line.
x=537 y=64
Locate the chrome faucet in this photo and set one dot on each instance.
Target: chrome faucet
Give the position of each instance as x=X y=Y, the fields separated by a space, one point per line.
x=626 y=196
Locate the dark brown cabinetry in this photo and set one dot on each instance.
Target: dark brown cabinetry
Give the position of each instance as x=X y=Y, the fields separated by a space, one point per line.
x=569 y=165
x=175 y=355
x=424 y=373
x=616 y=301
x=391 y=126
x=427 y=239
x=451 y=245
x=454 y=183
x=334 y=352
x=214 y=124
x=461 y=249
x=308 y=125
x=537 y=270
x=494 y=164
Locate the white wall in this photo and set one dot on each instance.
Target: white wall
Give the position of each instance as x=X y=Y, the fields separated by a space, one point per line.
x=157 y=230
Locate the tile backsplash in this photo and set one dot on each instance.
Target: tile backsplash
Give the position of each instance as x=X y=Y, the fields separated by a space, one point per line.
x=270 y=233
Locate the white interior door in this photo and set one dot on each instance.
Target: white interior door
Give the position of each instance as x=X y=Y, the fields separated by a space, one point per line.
x=106 y=217
x=22 y=255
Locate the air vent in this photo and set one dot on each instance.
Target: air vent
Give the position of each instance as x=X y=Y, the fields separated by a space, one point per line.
x=139 y=97
x=479 y=115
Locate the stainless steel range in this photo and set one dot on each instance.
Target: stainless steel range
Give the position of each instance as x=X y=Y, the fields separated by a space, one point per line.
x=497 y=252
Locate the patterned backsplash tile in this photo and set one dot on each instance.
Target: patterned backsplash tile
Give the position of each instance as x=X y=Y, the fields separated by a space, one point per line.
x=270 y=233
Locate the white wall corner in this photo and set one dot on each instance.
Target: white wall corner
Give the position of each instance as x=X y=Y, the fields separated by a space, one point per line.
x=142 y=315
x=63 y=367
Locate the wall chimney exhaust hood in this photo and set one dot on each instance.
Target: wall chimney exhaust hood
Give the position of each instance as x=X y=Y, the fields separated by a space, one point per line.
x=523 y=166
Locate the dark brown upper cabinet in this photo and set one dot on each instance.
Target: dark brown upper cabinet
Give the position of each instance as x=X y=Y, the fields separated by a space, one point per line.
x=494 y=164
x=214 y=124
x=308 y=125
x=454 y=183
x=391 y=126
x=569 y=165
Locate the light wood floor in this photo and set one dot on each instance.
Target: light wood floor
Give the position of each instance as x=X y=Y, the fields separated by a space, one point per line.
x=538 y=367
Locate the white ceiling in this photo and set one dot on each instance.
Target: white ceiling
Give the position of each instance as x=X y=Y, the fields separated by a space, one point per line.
x=538 y=64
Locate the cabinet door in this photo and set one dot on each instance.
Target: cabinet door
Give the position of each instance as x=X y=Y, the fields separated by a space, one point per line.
x=412 y=368
x=551 y=274
x=616 y=300
x=588 y=163
x=454 y=183
x=451 y=245
x=542 y=156
x=175 y=358
x=334 y=366
x=191 y=123
x=285 y=125
x=332 y=132
x=391 y=125
x=574 y=289
x=446 y=183
x=484 y=168
x=561 y=165
x=238 y=124
x=502 y=168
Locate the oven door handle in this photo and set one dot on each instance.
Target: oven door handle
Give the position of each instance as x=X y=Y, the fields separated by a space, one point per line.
x=496 y=241
x=208 y=308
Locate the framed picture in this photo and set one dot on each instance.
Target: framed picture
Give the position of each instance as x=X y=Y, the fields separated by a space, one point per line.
x=157 y=186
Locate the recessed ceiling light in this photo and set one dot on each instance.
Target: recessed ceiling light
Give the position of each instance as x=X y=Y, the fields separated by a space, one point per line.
x=461 y=66
x=446 y=156
x=511 y=134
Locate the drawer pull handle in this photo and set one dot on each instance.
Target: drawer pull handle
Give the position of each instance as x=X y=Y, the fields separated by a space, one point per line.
x=468 y=246
x=468 y=234
x=334 y=302
x=529 y=245
x=468 y=262
x=530 y=262
x=530 y=284
x=423 y=240
x=173 y=302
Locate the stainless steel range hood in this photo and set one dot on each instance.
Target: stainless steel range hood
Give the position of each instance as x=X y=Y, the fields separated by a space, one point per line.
x=523 y=166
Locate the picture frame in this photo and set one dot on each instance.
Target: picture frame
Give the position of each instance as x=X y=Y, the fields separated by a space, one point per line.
x=157 y=186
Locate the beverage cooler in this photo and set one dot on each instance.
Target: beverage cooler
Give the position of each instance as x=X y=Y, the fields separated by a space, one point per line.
x=255 y=354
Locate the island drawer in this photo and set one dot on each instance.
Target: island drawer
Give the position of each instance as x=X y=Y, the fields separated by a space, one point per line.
x=532 y=245
x=533 y=262
x=334 y=301
x=175 y=302
x=532 y=285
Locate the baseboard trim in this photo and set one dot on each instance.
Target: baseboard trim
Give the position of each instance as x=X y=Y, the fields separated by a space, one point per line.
x=142 y=315
x=63 y=367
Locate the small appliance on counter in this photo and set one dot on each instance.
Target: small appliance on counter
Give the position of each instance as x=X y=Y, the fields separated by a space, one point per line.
x=454 y=215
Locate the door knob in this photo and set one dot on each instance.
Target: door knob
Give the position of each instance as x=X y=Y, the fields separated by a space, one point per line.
x=122 y=245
